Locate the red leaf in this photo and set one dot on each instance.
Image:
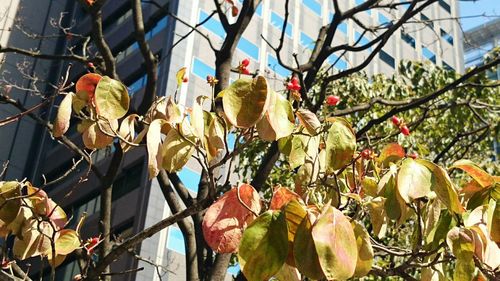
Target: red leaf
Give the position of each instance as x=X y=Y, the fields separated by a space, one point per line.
x=225 y=220
x=88 y=83
x=281 y=197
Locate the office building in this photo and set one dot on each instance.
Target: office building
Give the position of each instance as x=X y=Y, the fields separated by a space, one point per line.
x=480 y=40
x=139 y=203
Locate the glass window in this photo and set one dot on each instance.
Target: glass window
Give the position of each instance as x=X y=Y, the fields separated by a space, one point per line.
x=190 y=179
x=175 y=240
x=445 y=6
x=362 y=40
x=427 y=21
x=233 y=269
x=383 y=20
x=201 y=69
x=249 y=48
x=340 y=64
x=138 y=84
x=446 y=36
x=307 y=41
x=258 y=11
x=428 y=54
x=343 y=27
x=274 y=65
x=277 y=21
x=385 y=57
x=314 y=5
x=447 y=66
x=213 y=25
x=408 y=39
x=231 y=140
x=406 y=5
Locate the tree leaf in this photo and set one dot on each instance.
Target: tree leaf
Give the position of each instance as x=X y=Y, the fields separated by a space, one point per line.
x=392 y=152
x=278 y=121
x=67 y=241
x=304 y=251
x=295 y=212
x=61 y=124
x=460 y=242
x=288 y=273
x=111 y=98
x=365 y=250
x=127 y=132
x=181 y=73
x=309 y=120
x=281 y=197
x=264 y=246
x=335 y=244
x=10 y=207
x=225 y=220
x=473 y=170
x=414 y=180
x=245 y=101
x=378 y=216
x=176 y=151
x=94 y=138
x=154 y=147
x=340 y=146
x=443 y=187
x=197 y=120
x=87 y=84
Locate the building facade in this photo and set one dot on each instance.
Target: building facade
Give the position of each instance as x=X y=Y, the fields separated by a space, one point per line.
x=479 y=41
x=138 y=202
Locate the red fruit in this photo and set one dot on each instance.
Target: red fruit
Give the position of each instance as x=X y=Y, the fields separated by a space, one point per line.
x=185 y=80
x=404 y=130
x=414 y=155
x=245 y=70
x=296 y=87
x=90 y=65
x=245 y=62
x=234 y=11
x=395 y=120
x=366 y=153
x=209 y=78
x=289 y=86
x=332 y=100
x=295 y=80
x=91 y=244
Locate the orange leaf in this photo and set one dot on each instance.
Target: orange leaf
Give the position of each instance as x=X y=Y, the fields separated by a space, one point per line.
x=392 y=152
x=482 y=177
x=88 y=83
x=281 y=197
x=225 y=220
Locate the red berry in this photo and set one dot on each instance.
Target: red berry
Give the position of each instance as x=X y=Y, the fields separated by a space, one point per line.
x=395 y=120
x=404 y=130
x=296 y=87
x=295 y=80
x=366 y=153
x=245 y=62
x=245 y=70
x=414 y=155
x=209 y=78
x=90 y=65
x=289 y=86
x=234 y=11
x=185 y=80
x=332 y=100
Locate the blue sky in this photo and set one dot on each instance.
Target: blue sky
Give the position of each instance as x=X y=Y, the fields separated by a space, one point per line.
x=491 y=8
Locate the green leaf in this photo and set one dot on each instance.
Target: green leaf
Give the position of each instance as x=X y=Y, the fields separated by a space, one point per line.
x=10 y=207
x=264 y=246
x=294 y=214
x=335 y=244
x=443 y=187
x=365 y=250
x=473 y=170
x=378 y=216
x=67 y=242
x=111 y=98
x=304 y=251
x=278 y=122
x=197 y=120
x=176 y=151
x=461 y=243
x=245 y=101
x=61 y=124
x=414 y=180
x=340 y=146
